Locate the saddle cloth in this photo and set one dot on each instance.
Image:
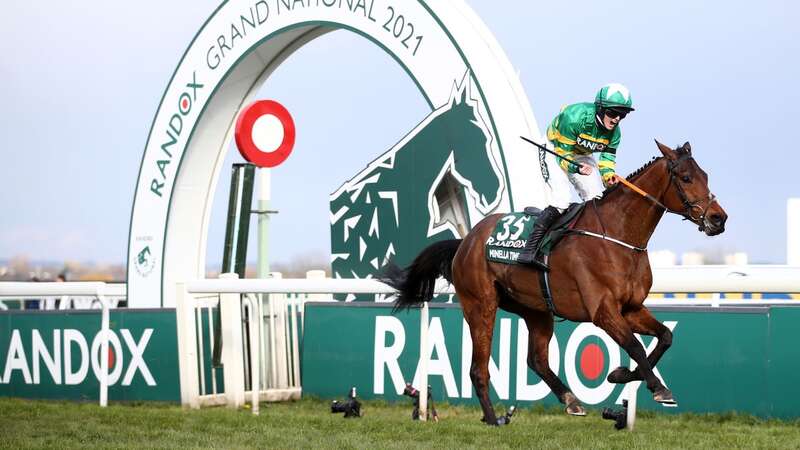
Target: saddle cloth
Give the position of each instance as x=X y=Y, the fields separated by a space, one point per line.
x=507 y=240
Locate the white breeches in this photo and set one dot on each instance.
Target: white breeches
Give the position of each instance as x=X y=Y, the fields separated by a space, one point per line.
x=588 y=186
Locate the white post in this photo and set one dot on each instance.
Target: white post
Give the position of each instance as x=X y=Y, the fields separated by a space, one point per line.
x=793 y=232
x=317 y=275
x=295 y=344
x=232 y=359
x=272 y=338
x=423 y=362
x=632 y=392
x=187 y=347
x=210 y=314
x=264 y=194
x=255 y=354
x=104 y=332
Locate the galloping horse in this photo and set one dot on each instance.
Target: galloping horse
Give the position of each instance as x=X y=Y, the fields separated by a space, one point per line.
x=602 y=279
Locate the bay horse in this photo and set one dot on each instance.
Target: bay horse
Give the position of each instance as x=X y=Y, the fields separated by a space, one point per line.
x=603 y=279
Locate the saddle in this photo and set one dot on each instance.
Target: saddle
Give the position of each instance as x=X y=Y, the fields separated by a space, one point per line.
x=560 y=228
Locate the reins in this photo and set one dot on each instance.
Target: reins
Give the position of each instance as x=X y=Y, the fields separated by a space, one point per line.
x=688 y=205
x=644 y=194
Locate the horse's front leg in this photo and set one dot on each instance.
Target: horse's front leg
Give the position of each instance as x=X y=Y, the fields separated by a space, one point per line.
x=608 y=318
x=641 y=321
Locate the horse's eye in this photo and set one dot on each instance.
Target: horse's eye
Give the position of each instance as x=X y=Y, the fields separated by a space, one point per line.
x=686 y=179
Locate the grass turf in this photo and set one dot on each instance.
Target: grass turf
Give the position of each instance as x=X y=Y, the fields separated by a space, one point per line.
x=309 y=424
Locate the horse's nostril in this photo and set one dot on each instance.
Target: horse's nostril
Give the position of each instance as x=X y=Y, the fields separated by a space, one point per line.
x=717 y=219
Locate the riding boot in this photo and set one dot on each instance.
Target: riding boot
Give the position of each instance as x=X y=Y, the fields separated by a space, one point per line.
x=529 y=254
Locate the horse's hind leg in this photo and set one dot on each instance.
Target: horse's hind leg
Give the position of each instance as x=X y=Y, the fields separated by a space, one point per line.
x=540 y=331
x=642 y=321
x=480 y=316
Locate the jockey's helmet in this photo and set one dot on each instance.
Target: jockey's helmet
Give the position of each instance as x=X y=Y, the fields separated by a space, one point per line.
x=614 y=96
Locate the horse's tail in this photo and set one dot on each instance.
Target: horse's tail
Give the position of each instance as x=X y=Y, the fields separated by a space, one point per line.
x=415 y=283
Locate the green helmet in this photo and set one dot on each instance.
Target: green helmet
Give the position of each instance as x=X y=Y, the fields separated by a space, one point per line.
x=614 y=95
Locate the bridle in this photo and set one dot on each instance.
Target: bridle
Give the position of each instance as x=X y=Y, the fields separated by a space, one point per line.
x=688 y=206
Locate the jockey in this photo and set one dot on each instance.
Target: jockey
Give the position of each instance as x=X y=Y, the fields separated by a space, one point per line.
x=578 y=131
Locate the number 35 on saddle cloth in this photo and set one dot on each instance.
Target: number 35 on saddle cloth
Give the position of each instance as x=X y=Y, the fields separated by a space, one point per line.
x=512 y=230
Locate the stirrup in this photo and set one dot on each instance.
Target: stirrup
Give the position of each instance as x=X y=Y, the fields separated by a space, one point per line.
x=540 y=265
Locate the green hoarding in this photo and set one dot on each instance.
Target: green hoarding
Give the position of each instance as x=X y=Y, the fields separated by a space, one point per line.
x=722 y=359
x=56 y=355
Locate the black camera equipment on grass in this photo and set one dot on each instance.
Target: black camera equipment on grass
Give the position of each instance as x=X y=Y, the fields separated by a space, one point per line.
x=619 y=416
x=350 y=407
x=412 y=392
x=505 y=420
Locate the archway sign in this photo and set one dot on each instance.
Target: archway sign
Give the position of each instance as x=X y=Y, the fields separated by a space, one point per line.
x=442 y=45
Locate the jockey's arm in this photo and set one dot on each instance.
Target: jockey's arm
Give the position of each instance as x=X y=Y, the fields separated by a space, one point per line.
x=564 y=136
x=566 y=154
x=607 y=164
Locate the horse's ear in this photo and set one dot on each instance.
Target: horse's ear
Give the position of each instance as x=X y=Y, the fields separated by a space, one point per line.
x=687 y=148
x=463 y=96
x=666 y=151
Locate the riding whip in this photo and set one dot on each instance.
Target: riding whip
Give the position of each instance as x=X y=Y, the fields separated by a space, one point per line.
x=542 y=147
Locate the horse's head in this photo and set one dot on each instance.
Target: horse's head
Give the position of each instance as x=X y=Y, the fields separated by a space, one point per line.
x=688 y=193
x=471 y=143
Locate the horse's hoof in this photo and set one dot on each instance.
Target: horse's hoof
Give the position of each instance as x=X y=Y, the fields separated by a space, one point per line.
x=621 y=375
x=491 y=423
x=574 y=407
x=664 y=396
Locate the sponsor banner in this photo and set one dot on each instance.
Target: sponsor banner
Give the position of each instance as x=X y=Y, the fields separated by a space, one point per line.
x=725 y=360
x=57 y=355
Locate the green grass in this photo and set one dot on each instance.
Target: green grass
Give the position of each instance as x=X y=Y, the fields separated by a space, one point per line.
x=309 y=424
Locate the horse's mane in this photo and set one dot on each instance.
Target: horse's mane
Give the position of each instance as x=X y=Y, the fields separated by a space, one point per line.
x=680 y=151
x=633 y=174
x=639 y=171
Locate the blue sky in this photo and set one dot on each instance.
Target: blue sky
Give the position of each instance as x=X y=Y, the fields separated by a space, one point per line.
x=80 y=86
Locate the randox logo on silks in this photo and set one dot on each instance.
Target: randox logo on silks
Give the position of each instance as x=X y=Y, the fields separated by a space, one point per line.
x=428 y=187
x=591 y=145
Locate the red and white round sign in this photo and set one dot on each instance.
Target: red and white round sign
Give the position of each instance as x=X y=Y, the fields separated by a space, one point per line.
x=265 y=133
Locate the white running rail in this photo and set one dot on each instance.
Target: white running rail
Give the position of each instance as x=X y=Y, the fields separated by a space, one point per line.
x=273 y=343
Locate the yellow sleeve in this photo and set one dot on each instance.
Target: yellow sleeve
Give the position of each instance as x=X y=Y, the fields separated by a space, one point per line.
x=563 y=147
x=607 y=164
